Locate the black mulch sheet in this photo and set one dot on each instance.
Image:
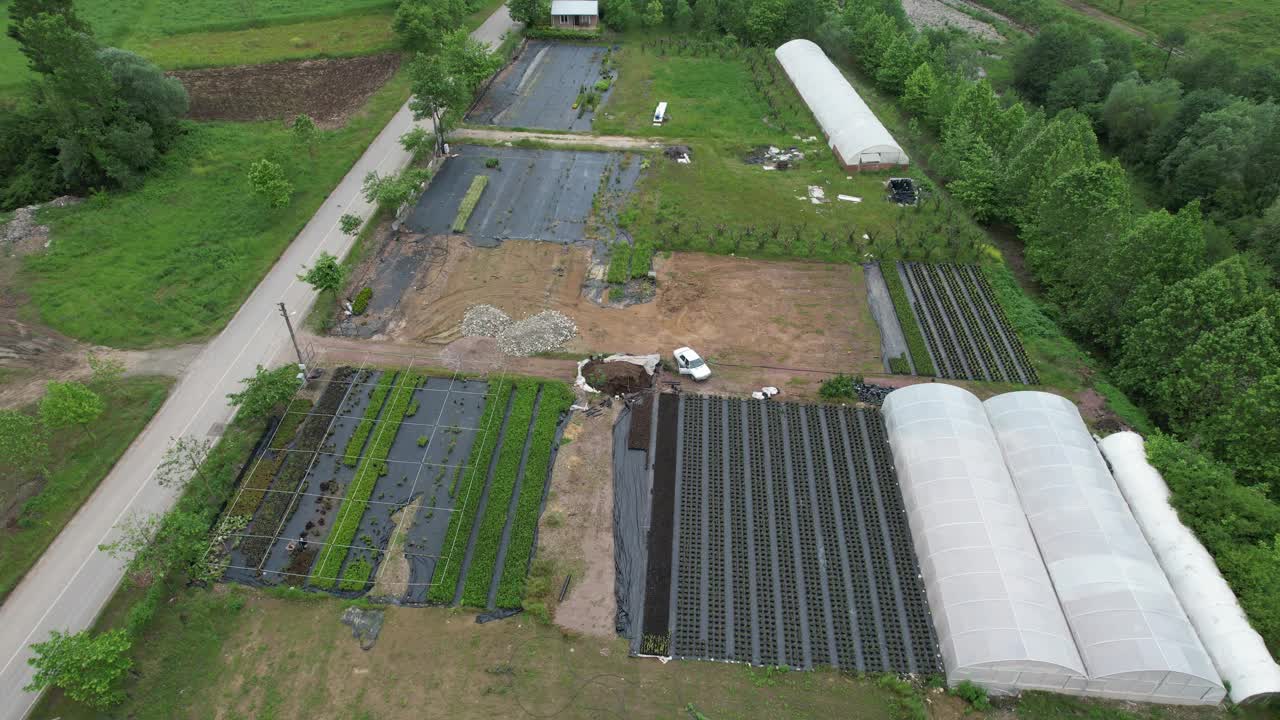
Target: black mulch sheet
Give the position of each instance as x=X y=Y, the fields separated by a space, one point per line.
x=657 y=591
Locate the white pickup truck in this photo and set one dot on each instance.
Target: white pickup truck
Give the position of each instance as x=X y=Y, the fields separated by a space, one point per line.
x=691 y=363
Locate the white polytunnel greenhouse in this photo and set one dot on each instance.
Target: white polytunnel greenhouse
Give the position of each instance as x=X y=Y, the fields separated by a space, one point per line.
x=1237 y=650
x=1136 y=641
x=1037 y=573
x=997 y=617
x=853 y=131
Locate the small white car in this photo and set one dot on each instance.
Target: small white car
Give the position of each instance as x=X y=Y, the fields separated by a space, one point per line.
x=691 y=363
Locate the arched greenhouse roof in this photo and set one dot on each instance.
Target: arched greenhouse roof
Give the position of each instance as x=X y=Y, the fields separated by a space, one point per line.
x=853 y=131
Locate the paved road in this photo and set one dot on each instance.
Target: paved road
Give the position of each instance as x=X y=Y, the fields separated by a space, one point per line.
x=73 y=581
x=605 y=142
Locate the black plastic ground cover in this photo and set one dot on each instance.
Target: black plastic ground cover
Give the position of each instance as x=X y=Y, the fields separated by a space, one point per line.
x=656 y=623
x=539 y=88
x=790 y=541
x=630 y=507
x=534 y=194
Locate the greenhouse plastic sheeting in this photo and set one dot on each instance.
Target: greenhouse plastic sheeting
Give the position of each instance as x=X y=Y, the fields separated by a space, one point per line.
x=1136 y=641
x=852 y=129
x=1236 y=648
x=998 y=620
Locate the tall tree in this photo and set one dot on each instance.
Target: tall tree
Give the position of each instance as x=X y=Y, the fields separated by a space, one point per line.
x=918 y=88
x=1085 y=211
x=1057 y=48
x=443 y=82
x=22 y=10
x=423 y=25
x=267 y=179
x=1135 y=109
x=327 y=274
x=530 y=12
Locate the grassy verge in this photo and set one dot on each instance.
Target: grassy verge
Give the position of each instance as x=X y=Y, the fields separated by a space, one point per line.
x=78 y=461
x=469 y=201
x=619 y=262
x=485 y=555
x=907 y=320
x=372 y=466
x=351 y=453
x=556 y=399
x=172 y=261
x=444 y=584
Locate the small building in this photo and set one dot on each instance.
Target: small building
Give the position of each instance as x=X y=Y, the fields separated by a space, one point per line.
x=575 y=14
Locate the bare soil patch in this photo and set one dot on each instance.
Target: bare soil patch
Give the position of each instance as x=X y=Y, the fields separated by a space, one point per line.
x=577 y=528
x=328 y=90
x=616 y=378
x=757 y=322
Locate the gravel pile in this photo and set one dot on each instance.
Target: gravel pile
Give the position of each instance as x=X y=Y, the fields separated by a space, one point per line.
x=938 y=14
x=548 y=330
x=484 y=321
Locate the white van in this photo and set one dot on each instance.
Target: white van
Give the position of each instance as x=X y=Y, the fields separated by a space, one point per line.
x=660 y=115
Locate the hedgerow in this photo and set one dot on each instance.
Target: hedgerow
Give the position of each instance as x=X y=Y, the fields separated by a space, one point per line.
x=351 y=453
x=444 y=583
x=485 y=555
x=372 y=466
x=907 y=319
x=556 y=399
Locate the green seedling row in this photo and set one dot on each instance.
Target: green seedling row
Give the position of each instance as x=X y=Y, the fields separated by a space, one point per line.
x=351 y=454
x=556 y=399
x=489 y=539
x=469 y=202
x=907 y=319
x=260 y=479
x=444 y=583
x=356 y=575
x=372 y=466
x=619 y=263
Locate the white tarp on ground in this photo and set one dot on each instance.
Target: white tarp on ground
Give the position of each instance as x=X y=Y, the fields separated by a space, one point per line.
x=1136 y=641
x=852 y=129
x=1236 y=648
x=997 y=617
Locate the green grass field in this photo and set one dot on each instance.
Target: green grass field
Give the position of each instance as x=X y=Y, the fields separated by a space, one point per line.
x=191 y=33
x=172 y=261
x=78 y=461
x=1247 y=27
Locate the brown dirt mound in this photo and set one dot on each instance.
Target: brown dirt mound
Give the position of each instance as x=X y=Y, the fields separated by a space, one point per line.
x=327 y=90
x=616 y=378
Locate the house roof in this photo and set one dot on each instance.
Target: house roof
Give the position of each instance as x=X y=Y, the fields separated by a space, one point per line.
x=574 y=7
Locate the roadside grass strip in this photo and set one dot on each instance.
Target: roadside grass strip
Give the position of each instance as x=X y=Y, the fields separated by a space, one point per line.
x=372 y=466
x=469 y=202
x=907 y=319
x=444 y=584
x=255 y=486
x=556 y=399
x=485 y=554
x=351 y=454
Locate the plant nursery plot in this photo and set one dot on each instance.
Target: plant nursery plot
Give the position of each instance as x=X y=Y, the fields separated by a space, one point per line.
x=368 y=506
x=531 y=194
x=789 y=541
x=550 y=86
x=964 y=327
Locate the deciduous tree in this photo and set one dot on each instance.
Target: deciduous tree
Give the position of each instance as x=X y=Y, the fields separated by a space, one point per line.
x=305 y=133
x=530 y=12
x=66 y=404
x=266 y=391
x=326 y=274
x=88 y=667
x=267 y=179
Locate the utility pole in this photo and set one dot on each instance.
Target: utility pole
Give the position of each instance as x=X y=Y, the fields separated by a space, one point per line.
x=285 y=314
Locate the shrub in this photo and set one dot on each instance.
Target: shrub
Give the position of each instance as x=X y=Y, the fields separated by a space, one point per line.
x=469 y=202
x=907 y=319
x=840 y=387
x=898 y=365
x=361 y=301
x=975 y=695
x=493 y=163
x=602 y=84
x=444 y=583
